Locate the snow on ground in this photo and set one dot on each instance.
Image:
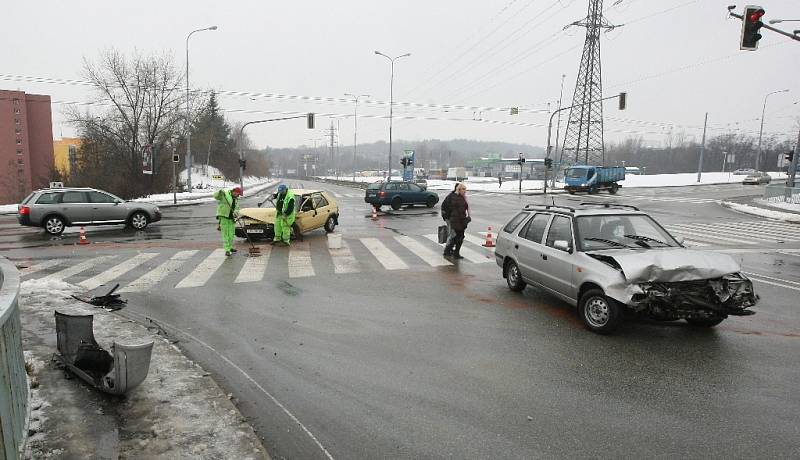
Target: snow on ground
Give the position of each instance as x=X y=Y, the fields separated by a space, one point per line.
x=768 y=213
x=780 y=205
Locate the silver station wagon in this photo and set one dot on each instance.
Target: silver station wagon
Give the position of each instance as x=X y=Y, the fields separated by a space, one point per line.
x=611 y=260
x=54 y=209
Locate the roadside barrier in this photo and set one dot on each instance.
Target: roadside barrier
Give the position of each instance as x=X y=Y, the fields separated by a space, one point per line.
x=14 y=403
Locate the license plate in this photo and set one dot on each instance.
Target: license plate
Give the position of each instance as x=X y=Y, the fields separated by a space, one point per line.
x=255 y=230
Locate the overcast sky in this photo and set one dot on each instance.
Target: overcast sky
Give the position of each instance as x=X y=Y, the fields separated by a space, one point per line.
x=676 y=59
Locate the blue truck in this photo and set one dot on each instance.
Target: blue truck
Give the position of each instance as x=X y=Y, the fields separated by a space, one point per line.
x=584 y=178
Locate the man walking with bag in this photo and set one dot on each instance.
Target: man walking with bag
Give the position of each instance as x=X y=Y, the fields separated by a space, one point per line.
x=459 y=219
x=446 y=208
x=284 y=216
x=227 y=213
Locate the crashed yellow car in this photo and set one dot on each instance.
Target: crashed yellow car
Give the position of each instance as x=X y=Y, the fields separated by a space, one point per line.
x=314 y=209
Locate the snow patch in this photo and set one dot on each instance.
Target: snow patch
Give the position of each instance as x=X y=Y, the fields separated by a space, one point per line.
x=768 y=213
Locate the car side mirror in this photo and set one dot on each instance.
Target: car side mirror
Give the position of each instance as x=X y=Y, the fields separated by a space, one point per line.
x=562 y=245
x=116 y=202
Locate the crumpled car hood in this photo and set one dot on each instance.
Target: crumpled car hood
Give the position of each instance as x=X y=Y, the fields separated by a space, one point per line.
x=668 y=264
x=265 y=215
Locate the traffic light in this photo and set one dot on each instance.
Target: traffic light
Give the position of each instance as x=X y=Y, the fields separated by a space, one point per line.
x=623 y=100
x=243 y=164
x=521 y=158
x=410 y=161
x=751 y=24
x=176 y=158
x=404 y=161
x=310 y=120
x=548 y=163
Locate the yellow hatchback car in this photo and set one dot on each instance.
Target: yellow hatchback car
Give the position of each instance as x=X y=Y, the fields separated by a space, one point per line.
x=314 y=209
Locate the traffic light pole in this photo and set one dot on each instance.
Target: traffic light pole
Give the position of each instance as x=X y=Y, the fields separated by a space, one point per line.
x=793 y=165
x=241 y=144
x=768 y=27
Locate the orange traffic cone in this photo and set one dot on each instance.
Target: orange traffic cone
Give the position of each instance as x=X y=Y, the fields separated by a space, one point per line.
x=374 y=213
x=83 y=239
x=489 y=243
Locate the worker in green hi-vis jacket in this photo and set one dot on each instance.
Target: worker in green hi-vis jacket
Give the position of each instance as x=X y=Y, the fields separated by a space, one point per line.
x=284 y=215
x=227 y=213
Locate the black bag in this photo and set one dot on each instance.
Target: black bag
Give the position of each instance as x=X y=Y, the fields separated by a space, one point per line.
x=443 y=234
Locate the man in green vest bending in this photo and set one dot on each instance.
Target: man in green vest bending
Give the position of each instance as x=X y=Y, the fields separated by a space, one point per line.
x=284 y=215
x=227 y=213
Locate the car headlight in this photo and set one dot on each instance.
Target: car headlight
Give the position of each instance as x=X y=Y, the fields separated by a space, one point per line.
x=157 y=210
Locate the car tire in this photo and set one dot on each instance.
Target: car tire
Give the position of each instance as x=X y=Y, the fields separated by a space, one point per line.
x=613 y=189
x=514 y=277
x=139 y=220
x=431 y=202
x=704 y=322
x=599 y=313
x=330 y=224
x=54 y=225
x=396 y=203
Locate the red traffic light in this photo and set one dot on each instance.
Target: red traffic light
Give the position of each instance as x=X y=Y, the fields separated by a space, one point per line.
x=756 y=15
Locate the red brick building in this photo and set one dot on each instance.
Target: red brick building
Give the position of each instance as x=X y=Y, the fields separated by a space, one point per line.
x=26 y=144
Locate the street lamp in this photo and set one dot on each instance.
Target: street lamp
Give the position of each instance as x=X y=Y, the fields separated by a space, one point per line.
x=761 y=131
x=355 y=128
x=777 y=21
x=391 y=103
x=188 y=127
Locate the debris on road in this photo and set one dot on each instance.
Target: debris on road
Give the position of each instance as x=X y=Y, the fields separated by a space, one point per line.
x=109 y=301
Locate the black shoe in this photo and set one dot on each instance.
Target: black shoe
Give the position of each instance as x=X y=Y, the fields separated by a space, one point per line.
x=234 y=250
x=457 y=256
x=447 y=253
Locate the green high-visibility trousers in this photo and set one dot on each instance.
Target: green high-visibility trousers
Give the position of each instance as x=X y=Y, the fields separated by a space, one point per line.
x=228 y=230
x=283 y=228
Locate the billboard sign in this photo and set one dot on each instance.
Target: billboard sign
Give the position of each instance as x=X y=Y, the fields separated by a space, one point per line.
x=147 y=159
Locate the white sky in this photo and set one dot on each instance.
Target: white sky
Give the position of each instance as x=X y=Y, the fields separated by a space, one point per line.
x=676 y=59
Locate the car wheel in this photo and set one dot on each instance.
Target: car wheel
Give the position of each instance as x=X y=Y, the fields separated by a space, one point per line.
x=396 y=203
x=599 y=313
x=139 y=220
x=54 y=225
x=514 y=277
x=704 y=322
x=613 y=189
x=330 y=224
x=431 y=202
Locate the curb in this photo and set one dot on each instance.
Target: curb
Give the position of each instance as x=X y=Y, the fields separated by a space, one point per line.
x=788 y=217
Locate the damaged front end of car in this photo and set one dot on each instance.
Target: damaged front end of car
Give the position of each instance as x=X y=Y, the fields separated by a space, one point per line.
x=730 y=294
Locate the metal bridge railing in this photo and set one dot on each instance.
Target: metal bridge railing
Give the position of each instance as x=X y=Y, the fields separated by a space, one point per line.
x=14 y=403
x=780 y=193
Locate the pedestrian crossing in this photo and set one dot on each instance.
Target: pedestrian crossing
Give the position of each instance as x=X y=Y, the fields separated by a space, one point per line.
x=188 y=269
x=736 y=233
x=650 y=198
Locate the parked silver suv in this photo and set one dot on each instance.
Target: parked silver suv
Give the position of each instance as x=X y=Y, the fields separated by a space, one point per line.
x=57 y=208
x=608 y=260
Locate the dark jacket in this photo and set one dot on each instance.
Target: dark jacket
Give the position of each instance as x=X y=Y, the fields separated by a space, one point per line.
x=447 y=205
x=458 y=213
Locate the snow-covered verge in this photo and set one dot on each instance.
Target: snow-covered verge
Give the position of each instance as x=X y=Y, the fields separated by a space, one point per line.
x=768 y=213
x=795 y=207
x=177 y=412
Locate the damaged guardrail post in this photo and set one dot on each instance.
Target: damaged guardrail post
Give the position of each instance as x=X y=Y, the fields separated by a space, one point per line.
x=14 y=402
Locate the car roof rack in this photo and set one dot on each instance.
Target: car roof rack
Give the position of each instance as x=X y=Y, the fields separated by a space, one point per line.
x=609 y=205
x=547 y=206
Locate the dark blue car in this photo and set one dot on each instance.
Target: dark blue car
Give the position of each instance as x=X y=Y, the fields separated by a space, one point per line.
x=397 y=194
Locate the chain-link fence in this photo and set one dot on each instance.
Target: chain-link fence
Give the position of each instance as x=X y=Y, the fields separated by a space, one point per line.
x=780 y=193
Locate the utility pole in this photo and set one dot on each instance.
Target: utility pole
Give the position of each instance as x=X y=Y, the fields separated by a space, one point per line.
x=331 y=134
x=761 y=130
x=355 y=128
x=793 y=166
x=702 y=150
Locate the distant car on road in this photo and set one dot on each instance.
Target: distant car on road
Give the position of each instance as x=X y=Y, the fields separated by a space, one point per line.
x=757 y=178
x=314 y=209
x=398 y=194
x=609 y=260
x=54 y=209
x=744 y=172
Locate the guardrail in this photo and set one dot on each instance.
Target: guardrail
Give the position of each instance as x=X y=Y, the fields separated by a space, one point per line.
x=345 y=183
x=14 y=404
x=779 y=193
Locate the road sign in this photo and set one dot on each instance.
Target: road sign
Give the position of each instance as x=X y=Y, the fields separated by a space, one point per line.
x=217 y=177
x=147 y=159
x=176 y=158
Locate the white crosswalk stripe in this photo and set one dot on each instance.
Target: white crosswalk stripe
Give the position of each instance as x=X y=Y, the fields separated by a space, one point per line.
x=200 y=275
x=254 y=267
x=343 y=260
x=473 y=256
x=39 y=267
x=682 y=229
x=158 y=274
x=387 y=258
x=117 y=271
x=715 y=229
x=300 y=261
x=430 y=257
x=77 y=268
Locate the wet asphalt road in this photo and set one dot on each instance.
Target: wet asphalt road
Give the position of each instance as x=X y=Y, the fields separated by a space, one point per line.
x=445 y=361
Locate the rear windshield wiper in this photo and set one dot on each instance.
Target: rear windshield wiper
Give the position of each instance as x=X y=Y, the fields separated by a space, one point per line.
x=611 y=242
x=645 y=238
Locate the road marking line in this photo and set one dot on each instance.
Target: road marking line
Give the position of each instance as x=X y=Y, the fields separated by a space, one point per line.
x=696 y=244
x=39 y=267
x=473 y=256
x=784 y=233
x=300 y=261
x=254 y=267
x=771 y=278
x=704 y=236
x=343 y=260
x=117 y=271
x=775 y=284
x=385 y=256
x=432 y=258
x=75 y=269
x=156 y=275
x=200 y=275
x=729 y=232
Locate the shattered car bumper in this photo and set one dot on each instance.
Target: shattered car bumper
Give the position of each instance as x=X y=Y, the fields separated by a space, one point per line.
x=730 y=294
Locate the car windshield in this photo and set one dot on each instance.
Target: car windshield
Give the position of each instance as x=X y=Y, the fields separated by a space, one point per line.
x=621 y=231
x=576 y=173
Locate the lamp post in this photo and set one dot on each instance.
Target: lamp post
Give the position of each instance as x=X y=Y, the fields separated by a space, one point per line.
x=188 y=127
x=355 y=128
x=391 y=102
x=761 y=131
